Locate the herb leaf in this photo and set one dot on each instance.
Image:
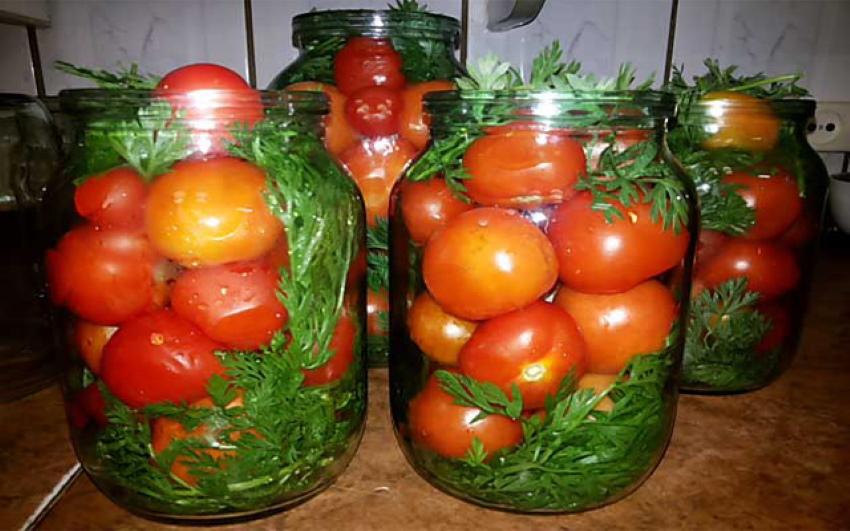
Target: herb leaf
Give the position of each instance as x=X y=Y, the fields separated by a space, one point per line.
x=125 y=78
x=482 y=395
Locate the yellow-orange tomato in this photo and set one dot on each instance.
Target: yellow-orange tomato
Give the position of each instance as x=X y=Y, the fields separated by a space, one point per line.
x=488 y=261
x=339 y=135
x=522 y=167
x=413 y=122
x=599 y=383
x=427 y=206
x=440 y=335
x=90 y=339
x=619 y=326
x=208 y=212
x=740 y=121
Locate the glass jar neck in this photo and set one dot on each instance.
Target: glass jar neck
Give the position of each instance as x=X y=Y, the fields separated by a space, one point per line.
x=790 y=113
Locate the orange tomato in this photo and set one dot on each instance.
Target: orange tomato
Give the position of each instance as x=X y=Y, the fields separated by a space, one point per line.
x=413 y=120
x=620 y=326
x=339 y=135
x=740 y=121
x=427 y=206
x=440 y=335
x=90 y=340
x=599 y=383
x=208 y=212
x=488 y=261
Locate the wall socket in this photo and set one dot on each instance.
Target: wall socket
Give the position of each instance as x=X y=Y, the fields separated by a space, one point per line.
x=830 y=130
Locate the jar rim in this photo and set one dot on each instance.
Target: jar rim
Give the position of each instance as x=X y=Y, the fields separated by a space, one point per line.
x=785 y=109
x=374 y=23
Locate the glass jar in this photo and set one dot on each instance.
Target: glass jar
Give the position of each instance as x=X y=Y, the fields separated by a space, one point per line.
x=29 y=158
x=202 y=265
x=375 y=66
x=540 y=257
x=761 y=190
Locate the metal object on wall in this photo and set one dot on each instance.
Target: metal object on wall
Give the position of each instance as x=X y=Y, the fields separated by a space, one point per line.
x=504 y=15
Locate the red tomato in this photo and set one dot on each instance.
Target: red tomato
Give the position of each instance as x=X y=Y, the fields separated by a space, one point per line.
x=115 y=198
x=440 y=335
x=375 y=165
x=342 y=346
x=522 y=168
x=427 y=206
x=339 y=135
x=448 y=429
x=357 y=269
x=414 y=122
x=377 y=303
x=213 y=100
x=534 y=348
x=620 y=326
x=769 y=269
x=104 y=276
x=800 y=233
x=741 y=121
x=159 y=357
x=710 y=242
x=488 y=261
x=600 y=257
x=366 y=62
x=90 y=340
x=86 y=406
x=779 y=319
x=775 y=198
x=209 y=212
x=374 y=111
x=235 y=304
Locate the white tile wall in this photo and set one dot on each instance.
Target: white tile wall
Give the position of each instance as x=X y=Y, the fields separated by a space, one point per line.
x=15 y=61
x=273 y=35
x=600 y=33
x=158 y=35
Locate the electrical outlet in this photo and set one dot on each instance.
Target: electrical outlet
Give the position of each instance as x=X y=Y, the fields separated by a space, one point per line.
x=830 y=130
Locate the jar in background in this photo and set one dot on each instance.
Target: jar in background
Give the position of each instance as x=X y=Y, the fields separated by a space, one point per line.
x=541 y=253
x=375 y=66
x=761 y=190
x=202 y=267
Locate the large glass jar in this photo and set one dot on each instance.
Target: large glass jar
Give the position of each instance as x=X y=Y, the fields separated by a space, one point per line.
x=375 y=66
x=202 y=263
x=540 y=259
x=761 y=191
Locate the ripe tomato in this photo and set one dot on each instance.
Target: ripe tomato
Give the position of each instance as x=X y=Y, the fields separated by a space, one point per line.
x=600 y=257
x=375 y=165
x=367 y=62
x=377 y=303
x=413 y=121
x=521 y=168
x=534 y=347
x=159 y=357
x=710 y=241
x=342 y=345
x=213 y=99
x=103 y=275
x=440 y=335
x=374 y=111
x=115 y=198
x=620 y=326
x=427 y=206
x=775 y=198
x=86 y=406
x=599 y=383
x=235 y=304
x=90 y=340
x=339 y=135
x=208 y=212
x=741 y=122
x=448 y=429
x=779 y=319
x=488 y=261
x=800 y=233
x=769 y=269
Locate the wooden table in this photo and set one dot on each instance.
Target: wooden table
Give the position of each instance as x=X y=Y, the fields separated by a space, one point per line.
x=775 y=458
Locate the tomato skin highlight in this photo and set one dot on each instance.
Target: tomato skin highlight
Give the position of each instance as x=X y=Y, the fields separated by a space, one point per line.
x=488 y=261
x=522 y=168
x=339 y=135
x=447 y=429
x=367 y=62
x=533 y=348
x=342 y=346
x=619 y=326
x=440 y=335
x=427 y=206
x=374 y=111
x=770 y=269
x=114 y=198
x=90 y=340
x=235 y=304
x=599 y=257
x=414 y=122
x=742 y=121
x=159 y=357
x=775 y=199
x=103 y=275
x=210 y=212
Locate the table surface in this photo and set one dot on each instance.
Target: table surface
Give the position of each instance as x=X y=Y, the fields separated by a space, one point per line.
x=774 y=458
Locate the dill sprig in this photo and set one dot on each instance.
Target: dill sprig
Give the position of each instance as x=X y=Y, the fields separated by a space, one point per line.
x=124 y=78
